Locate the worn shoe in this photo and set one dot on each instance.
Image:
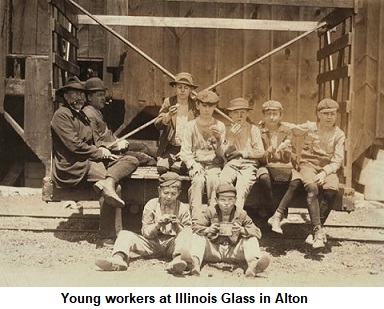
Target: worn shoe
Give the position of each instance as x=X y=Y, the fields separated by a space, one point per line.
x=319 y=239
x=176 y=266
x=284 y=221
x=106 y=188
x=193 y=264
x=113 y=263
x=274 y=222
x=257 y=266
x=309 y=240
x=105 y=243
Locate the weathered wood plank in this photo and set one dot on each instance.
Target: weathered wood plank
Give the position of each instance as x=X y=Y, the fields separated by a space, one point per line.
x=44 y=35
x=24 y=28
x=3 y=49
x=284 y=69
x=315 y=3
x=66 y=65
x=38 y=107
x=65 y=34
x=256 y=81
x=335 y=46
x=19 y=130
x=335 y=74
x=198 y=22
x=336 y=17
x=97 y=35
x=67 y=10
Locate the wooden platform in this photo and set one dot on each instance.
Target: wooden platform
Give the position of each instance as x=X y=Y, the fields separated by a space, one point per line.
x=143 y=183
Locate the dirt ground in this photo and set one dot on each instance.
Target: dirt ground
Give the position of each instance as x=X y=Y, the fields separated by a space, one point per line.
x=354 y=256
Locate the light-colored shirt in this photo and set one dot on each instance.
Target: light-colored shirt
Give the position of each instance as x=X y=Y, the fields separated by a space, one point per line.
x=200 y=146
x=153 y=211
x=321 y=148
x=248 y=141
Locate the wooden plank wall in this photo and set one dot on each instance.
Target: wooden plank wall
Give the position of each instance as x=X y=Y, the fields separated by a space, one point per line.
x=368 y=61
x=212 y=54
x=3 y=50
x=30 y=32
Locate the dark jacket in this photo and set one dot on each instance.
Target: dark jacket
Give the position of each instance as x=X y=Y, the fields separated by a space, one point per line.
x=284 y=135
x=213 y=215
x=168 y=131
x=73 y=146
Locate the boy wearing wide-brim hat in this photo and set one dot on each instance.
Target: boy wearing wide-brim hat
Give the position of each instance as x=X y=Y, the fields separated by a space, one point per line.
x=244 y=149
x=202 y=150
x=225 y=233
x=166 y=231
x=277 y=140
x=321 y=157
x=175 y=112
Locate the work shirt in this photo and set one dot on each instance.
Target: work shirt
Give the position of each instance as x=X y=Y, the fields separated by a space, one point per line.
x=322 y=149
x=152 y=213
x=199 y=145
x=214 y=215
x=283 y=134
x=248 y=141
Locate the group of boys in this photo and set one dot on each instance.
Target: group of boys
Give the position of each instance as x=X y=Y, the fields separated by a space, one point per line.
x=223 y=162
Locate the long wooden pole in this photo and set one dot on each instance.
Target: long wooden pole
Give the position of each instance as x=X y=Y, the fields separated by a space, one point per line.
x=140 y=52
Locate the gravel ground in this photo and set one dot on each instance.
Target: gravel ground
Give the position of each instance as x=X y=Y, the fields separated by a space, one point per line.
x=67 y=258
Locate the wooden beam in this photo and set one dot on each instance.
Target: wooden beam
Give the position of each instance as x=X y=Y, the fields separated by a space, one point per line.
x=336 y=17
x=315 y=3
x=66 y=65
x=67 y=10
x=335 y=46
x=210 y=23
x=336 y=74
x=19 y=130
x=65 y=34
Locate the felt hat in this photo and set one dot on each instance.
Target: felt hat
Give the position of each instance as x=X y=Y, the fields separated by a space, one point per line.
x=170 y=179
x=207 y=96
x=327 y=105
x=238 y=103
x=94 y=84
x=185 y=79
x=72 y=82
x=226 y=189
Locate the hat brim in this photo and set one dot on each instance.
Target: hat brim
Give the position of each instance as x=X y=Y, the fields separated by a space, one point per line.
x=328 y=110
x=96 y=89
x=174 y=83
x=272 y=109
x=67 y=87
x=227 y=193
x=238 y=107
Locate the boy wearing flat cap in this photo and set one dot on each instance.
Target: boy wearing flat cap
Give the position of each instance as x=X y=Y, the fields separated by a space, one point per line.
x=225 y=233
x=244 y=149
x=166 y=231
x=277 y=139
x=321 y=157
x=174 y=114
x=202 y=150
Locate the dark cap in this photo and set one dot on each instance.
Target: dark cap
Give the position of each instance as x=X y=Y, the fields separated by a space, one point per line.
x=327 y=105
x=94 y=84
x=226 y=189
x=185 y=79
x=271 y=105
x=238 y=103
x=72 y=82
x=207 y=96
x=169 y=179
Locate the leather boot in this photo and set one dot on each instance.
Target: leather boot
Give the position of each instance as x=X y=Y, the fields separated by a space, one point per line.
x=107 y=188
x=319 y=238
x=176 y=266
x=256 y=266
x=193 y=263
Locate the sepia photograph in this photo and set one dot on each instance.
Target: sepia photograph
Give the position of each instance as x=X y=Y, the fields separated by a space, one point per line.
x=192 y=143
